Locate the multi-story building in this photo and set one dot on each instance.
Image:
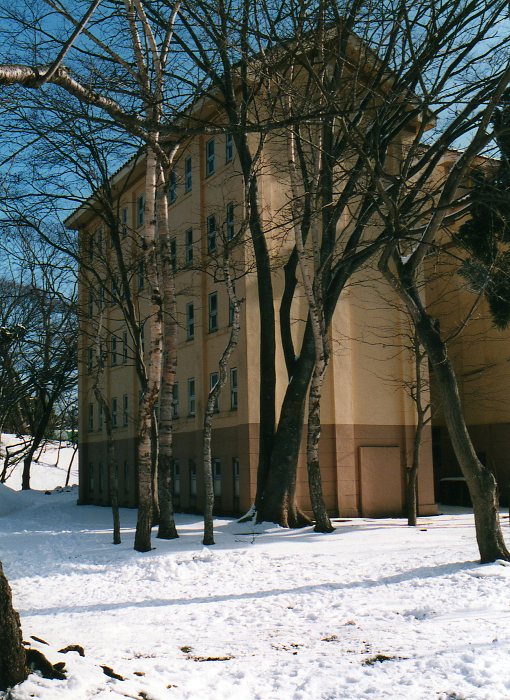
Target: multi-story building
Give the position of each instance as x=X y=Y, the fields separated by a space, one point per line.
x=368 y=418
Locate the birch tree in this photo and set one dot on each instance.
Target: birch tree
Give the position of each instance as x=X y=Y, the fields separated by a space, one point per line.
x=141 y=58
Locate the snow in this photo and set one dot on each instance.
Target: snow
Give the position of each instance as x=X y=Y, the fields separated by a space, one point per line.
x=49 y=472
x=373 y=610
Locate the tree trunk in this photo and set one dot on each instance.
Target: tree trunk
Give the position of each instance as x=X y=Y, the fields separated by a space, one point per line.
x=167 y=529
x=113 y=479
x=278 y=502
x=68 y=475
x=208 y=476
x=411 y=495
x=480 y=481
x=7 y=457
x=322 y=520
x=412 y=472
x=267 y=350
x=145 y=455
x=144 y=519
x=13 y=666
x=27 y=462
x=114 y=492
x=154 y=468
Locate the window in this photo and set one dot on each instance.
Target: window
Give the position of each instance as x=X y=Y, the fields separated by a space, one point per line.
x=101 y=297
x=216 y=465
x=211 y=233
x=192 y=478
x=126 y=477
x=188 y=175
x=213 y=312
x=231 y=312
x=124 y=348
x=191 y=397
x=91 y=417
x=190 y=321
x=113 y=351
x=140 y=210
x=175 y=400
x=90 y=247
x=213 y=380
x=173 y=254
x=100 y=476
x=100 y=416
x=172 y=187
x=141 y=275
x=90 y=303
x=125 y=410
x=99 y=240
x=124 y=221
x=230 y=221
x=229 y=148
x=90 y=359
x=114 y=291
x=233 y=389
x=209 y=157
x=176 y=478
x=235 y=477
x=188 y=246
x=114 y=412
x=91 y=476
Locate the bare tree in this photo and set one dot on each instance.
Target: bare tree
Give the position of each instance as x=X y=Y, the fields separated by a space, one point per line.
x=215 y=390
x=42 y=369
x=389 y=89
x=149 y=52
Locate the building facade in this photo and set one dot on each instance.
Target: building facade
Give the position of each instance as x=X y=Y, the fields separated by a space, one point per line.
x=368 y=416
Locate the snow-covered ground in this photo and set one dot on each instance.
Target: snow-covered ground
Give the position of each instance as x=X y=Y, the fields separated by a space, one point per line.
x=49 y=468
x=374 y=610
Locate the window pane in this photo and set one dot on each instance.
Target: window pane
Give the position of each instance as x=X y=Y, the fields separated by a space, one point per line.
x=213 y=312
x=191 y=397
x=140 y=210
x=235 y=474
x=188 y=246
x=230 y=221
x=176 y=478
x=175 y=400
x=211 y=233
x=192 y=478
x=190 y=321
x=233 y=388
x=209 y=157
x=114 y=413
x=216 y=464
x=188 y=174
x=172 y=187
x=214 y=378
x=229 y=148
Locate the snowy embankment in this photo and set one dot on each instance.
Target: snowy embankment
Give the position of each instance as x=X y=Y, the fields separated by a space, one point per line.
x=374 y=610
